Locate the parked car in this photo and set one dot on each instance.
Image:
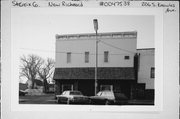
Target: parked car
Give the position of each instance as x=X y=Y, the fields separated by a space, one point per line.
x=22 y=93
x=109 y=98
x=72 y=97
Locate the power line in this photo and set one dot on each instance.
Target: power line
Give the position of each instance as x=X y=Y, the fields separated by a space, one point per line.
x=65 y=52
x=78 y=53
x=113 y=46
x=116 y=47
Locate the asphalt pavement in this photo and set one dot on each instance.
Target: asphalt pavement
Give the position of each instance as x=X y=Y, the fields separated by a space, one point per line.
x=50 y=99
x=37 y=99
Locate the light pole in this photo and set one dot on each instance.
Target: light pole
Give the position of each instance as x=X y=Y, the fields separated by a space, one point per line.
x=95 y=21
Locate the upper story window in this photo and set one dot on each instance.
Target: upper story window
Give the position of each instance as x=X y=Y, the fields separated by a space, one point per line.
x=106 y=56
x=126 y=57
x=86 y=57
x=152 y=72
x=68 y=57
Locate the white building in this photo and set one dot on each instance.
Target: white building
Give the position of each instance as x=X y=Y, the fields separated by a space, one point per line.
x=117 y=63
x=75 y=62
x=79 y=44
x=146 y=71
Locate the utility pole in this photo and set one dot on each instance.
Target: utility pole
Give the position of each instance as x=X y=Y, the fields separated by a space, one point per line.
x=95 y=21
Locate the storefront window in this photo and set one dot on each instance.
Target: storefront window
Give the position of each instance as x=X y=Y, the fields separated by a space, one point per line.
x=106 y=87
x=67 y=87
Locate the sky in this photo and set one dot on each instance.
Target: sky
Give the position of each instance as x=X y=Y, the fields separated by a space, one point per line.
x=35 y=30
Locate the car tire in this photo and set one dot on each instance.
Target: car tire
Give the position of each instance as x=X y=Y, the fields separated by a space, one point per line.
x=68 y=101
x=90 y=101
x=107 y=102
x=58 y=101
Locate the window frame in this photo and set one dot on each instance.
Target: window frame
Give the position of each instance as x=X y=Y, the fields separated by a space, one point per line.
x=106 y=56
x=68 y=57
x=86 y=57
x=152 y=72
x=106 y=86
x=126 y=57
x=68 y=85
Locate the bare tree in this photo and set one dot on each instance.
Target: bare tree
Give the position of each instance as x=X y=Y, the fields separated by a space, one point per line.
x=45 y=72
x=30 y=66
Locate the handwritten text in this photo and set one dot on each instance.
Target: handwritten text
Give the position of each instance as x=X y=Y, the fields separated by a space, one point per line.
x=24 y=4
x=65 y=4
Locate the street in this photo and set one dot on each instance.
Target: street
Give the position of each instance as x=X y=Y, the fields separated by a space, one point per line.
x=50 y=99
x=37 y=99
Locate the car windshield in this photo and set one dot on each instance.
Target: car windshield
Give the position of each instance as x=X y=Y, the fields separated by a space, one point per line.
x=99 y=94
x=75 y=93
x=64 y=93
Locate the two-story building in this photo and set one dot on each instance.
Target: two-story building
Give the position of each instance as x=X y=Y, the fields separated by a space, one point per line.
x=76 y=62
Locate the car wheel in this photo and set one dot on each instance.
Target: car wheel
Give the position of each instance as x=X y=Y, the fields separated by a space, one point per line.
x=90 y=101
x=107 y=102
x=68 y=101
x=58 y=101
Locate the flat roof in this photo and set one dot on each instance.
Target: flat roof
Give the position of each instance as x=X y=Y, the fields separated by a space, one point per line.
x=128 y=34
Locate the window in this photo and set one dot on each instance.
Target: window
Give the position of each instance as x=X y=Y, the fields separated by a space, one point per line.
x=126 y=57
x=86 y=57
x=99 y=94
x=106 y=56
x=152 y=72
x=68 y=57
x=106 y=87
x=67 y=87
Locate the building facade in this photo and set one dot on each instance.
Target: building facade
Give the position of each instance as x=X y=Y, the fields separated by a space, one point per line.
x=146 y=72
x=116 y=65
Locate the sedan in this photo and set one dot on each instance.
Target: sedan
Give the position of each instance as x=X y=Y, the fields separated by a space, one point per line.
x=72 y=97
x=109 y=98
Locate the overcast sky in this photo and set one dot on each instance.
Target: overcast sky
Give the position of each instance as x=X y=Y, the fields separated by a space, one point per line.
x=35 y=30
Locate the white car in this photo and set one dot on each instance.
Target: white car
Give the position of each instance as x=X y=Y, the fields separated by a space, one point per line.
x=108 y=98
x=72 y=97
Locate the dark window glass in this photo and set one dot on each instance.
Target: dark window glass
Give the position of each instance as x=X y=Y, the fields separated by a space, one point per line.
x=152 y=72
x=126 y=57
x=86 y=57
x=106 y=56
x=68 y=57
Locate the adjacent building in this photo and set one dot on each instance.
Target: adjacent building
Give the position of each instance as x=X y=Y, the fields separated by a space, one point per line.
x=118 y=65
x=146 y=72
